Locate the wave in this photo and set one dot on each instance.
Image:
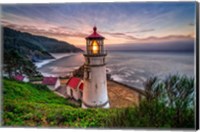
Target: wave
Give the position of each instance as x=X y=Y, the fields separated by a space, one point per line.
x=61 y=55
x=117 y=78
x=42 y=63
x=49 y=75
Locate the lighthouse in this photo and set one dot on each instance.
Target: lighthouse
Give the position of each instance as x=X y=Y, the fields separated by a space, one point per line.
x=95 y=93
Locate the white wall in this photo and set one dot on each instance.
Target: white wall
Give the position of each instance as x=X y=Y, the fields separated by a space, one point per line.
x=75 y=93
x=68 y=91
x=95 y=89
x=57 y=84
x=51 y=87
x=26 y=79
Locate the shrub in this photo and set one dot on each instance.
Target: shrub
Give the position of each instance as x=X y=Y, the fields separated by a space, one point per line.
x=167 y=104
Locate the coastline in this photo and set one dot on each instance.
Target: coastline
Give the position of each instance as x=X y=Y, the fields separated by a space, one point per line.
x=57 y=56
x=132 y=72
x=140 y=91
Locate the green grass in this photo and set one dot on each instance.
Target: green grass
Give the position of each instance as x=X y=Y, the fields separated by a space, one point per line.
x=168 y=104
x=26 y=104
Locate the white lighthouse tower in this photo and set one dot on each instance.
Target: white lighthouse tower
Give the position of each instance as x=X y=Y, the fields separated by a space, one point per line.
x=95 y=93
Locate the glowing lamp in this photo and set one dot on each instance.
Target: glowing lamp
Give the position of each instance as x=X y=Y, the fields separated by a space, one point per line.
x=95 y=47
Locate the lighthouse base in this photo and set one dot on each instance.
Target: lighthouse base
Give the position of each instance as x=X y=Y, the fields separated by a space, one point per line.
x=104 y=105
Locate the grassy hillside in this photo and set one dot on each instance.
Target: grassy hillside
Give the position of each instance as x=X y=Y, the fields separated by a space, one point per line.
x=168 y=104
x=34 y=105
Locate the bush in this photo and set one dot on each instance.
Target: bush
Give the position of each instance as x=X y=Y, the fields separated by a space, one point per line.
x=167 y=104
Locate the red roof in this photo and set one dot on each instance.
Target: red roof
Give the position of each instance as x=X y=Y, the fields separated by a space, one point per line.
x=95 y=35
x=49 y=80
x=19 y=77
x=73 y=82
x=81 y=87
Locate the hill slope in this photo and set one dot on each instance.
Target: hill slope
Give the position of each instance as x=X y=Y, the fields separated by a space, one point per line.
x=34 y=47
x=26 y=104
x=34 y=105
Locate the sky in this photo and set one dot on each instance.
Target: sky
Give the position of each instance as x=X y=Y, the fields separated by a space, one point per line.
x=130 y=24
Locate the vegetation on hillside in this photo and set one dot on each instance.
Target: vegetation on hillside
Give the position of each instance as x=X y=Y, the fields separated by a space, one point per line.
x=28 y=104
x=14 y=63
x=167 y=104
x=22 y=49
x=18 y=42
x=79 y=72
x=39 y=46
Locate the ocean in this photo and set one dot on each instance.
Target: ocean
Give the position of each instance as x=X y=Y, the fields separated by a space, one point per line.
x=128 y=67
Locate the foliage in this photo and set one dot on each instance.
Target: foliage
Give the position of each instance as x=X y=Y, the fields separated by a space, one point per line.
x=37 y=45
x=36 y=78
x=168 y=104
x=28 y=104
x=15 y=63
x=79 y=72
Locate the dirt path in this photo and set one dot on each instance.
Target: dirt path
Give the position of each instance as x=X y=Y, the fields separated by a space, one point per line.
x=122 y=96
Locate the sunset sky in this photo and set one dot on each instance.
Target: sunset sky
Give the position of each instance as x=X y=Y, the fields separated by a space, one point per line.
x=119 y=23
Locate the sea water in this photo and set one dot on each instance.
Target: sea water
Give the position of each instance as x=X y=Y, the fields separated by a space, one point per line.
x=129 y=67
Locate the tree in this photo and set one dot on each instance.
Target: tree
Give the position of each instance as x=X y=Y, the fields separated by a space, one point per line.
x=15 y=63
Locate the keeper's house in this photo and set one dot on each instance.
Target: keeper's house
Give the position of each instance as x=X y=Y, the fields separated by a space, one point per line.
x=52 y=82
x=20 y=77
x=74 y=88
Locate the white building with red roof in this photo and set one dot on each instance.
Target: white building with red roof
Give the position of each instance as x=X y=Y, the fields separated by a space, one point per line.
x=20 y=77
x=74 y=88
x=52 y=82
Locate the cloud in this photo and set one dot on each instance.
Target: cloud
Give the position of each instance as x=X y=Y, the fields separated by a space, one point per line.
x=142 y=31
x=119 y=22
x=113 y=34
x=169 y=37
x=150 y=38
x=191 y=24
x=51 y=31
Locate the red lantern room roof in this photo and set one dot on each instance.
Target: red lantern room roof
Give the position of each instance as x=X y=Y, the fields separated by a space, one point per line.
x=95 y=35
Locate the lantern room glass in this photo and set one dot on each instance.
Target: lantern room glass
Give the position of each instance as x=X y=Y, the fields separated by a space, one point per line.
x=95 y=47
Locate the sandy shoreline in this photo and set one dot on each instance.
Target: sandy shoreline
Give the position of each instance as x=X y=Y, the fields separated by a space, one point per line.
x=57 y=56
